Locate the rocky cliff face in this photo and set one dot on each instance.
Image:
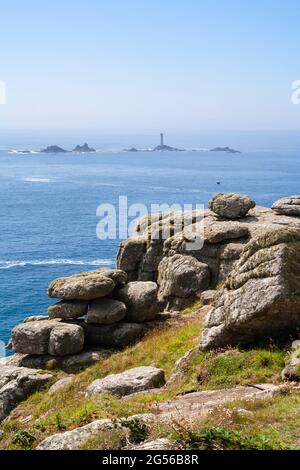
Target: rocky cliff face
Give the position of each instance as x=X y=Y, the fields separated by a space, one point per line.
x=261 y=297
x=145 y=255
x=248 y=268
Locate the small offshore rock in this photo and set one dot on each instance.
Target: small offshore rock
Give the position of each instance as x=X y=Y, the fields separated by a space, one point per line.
x=128 y=382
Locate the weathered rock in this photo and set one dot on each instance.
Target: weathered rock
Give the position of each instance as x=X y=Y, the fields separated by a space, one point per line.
x=231 y=205
x=60 y=384
x=68 y=309
x=75 y=439
x=220 y=232
x=66 y=339
x=140 y=299
x=220 y=256
x=287 y=206
x=208 y=296
x=35 y=318
x=181 y=277
x=88 y=285
x=291 y=371
x=157 y=444
x=261 y=297
x=128 y=382
x=32 y=337
x=70 y=364
x=106 y=311
x=197 y=405
x=16 y=384
x=118 y=335
x=130 y=255
x=47 y=337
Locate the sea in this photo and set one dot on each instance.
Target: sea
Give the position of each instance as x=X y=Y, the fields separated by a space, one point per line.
x=48 y=202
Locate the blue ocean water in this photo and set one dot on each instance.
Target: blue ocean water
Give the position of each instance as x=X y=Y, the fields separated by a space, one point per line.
x=48 y=207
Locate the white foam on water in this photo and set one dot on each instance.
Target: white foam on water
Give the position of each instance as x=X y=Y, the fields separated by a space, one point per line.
x=37 y=180
x=48 y=262
x=23 y=152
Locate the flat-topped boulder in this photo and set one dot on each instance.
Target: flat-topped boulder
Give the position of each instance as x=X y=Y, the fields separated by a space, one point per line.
x=47 y=337
x=16 y=384
x=287 y=206
x=221 y=232
x=231 y=205
x=88 y=285
x=106 y=311
x=140 y=299
x=261 y=296
x=128 y=382
x=67 y=310
x=180 y=278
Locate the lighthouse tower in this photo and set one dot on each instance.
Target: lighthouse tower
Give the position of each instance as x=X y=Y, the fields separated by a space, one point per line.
x=161 y=139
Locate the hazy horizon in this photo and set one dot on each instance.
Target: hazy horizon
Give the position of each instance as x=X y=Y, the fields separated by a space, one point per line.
x=173 y=66
x=118 y=139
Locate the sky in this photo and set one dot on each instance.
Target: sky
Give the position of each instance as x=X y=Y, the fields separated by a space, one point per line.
x=188 y=65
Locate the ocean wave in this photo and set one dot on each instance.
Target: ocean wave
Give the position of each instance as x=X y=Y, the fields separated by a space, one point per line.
x=36 y=180
x=23 y=152
x=49 y=262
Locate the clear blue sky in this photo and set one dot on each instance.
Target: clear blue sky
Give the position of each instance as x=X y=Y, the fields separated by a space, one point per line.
x=149 y=64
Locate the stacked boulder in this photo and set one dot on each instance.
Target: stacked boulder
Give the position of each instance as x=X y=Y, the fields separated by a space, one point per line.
x=97 y=308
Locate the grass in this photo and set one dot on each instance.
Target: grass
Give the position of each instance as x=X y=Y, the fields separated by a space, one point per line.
x=239 y=367
x=68 y=408
x=277 y=419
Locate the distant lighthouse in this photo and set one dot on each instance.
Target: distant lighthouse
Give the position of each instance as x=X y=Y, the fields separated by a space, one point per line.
x=161 y=139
